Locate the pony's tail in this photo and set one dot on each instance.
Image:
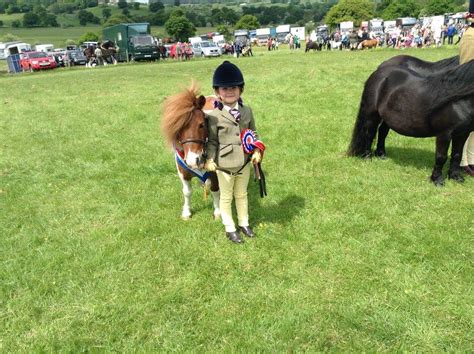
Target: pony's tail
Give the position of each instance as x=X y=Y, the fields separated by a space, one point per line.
x=360 y=138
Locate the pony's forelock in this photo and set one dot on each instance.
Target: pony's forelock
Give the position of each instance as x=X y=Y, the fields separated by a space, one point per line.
x=177 y=111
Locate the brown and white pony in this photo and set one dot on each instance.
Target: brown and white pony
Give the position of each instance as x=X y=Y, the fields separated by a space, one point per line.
x=184 y=126
x=368 y=43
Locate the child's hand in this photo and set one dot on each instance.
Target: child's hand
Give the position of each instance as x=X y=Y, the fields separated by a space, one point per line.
x=256 y=157
x=210 y=165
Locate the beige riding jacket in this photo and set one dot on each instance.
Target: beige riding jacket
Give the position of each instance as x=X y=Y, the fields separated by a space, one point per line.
x=225 y=146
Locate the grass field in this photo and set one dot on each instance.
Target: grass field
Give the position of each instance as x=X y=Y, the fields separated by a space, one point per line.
x=351 y=255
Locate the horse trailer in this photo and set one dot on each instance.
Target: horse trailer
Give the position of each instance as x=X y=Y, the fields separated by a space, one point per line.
x=134 y=41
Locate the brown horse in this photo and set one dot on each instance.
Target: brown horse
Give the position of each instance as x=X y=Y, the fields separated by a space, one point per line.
x=184 y=126
x=368 y=43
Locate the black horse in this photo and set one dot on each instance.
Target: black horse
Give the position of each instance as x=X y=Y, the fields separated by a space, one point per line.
x=440 y=104
x=313 y=45
x=422 y=68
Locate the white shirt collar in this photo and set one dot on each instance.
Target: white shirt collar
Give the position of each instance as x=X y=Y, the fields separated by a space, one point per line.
x=228 y=108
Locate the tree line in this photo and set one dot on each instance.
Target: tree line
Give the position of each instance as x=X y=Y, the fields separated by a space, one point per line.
x=180 y=20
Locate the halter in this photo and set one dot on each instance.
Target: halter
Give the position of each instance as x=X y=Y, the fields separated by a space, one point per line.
x=193 y=140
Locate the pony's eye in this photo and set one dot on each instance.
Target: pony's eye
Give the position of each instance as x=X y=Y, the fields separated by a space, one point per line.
x=201 y=125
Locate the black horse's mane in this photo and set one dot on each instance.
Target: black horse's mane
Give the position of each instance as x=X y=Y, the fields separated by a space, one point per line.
x=422 y=67
x=452 y=85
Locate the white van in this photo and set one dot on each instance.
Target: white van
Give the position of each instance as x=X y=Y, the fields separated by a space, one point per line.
x=47 y=48
x=206 y=49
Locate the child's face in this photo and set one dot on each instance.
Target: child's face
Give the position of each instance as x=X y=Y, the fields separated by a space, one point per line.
x=228 y=95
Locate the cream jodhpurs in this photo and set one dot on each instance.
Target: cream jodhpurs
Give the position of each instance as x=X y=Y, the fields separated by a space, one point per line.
x=468 y=151
x=230 y=187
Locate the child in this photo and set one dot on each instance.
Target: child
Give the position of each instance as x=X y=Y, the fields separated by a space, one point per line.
x=225 y=151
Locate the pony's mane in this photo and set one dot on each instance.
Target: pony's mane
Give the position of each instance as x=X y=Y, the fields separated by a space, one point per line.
x=177 y=111
x=421 y=66
x=452 y=85
x=446 y=63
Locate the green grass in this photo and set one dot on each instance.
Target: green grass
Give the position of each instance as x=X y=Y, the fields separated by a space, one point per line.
x=351 y=255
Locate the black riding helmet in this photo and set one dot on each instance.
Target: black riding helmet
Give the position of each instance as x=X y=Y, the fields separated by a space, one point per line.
x=227 y=75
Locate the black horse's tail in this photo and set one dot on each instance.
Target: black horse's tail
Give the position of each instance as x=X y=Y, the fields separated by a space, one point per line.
x=359 y=145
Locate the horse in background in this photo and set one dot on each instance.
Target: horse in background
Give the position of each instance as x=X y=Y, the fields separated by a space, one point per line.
x=313 y=45
x=440 y=104
x=368 y=43
x=184 y=126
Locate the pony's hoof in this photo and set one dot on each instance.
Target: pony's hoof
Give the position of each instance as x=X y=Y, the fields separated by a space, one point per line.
x=185 y=217
x=438 y=182
x=217 y=217
x=457 y=177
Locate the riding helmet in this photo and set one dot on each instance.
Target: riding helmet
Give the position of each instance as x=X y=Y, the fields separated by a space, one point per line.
x=227 y=75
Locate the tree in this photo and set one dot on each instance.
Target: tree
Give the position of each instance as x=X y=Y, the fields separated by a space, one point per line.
x=1 y=23
x=88 y=37
x=180 y=28
x=249 y=22
x=156 y=6
x=116 y=19
x=106 y=13
x=48 y=20
x=438 y=7
x=86 y=16
x=30 y=19
x=349 y=10
x=136 y=6
x=122 y=4
x=401 y=8
x=16 y=23
x=224 y=30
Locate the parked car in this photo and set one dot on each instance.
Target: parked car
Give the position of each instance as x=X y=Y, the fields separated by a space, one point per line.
x=31 y=61
x=76 y=57
x=206 y=49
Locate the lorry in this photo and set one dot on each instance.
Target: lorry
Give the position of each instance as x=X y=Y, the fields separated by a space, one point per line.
x=262 y=35
x=281 y=32
x=134 y=41
x=376 y=27
x=241 y=36
x=390 y=26
x=298 y=32
x=346 y=27
x=406 y=23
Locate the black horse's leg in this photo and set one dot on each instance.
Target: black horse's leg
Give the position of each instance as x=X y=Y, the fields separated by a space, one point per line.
x=456 y=155
x=372 y=124
x=441 y=155
x=382 y=134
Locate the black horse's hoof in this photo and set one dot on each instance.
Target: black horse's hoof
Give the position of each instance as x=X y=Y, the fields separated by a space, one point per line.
x=381 y=155
x=438 y=181
x=456 y=177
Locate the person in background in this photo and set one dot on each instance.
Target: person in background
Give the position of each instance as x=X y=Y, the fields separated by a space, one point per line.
x=466 y=53
x=228 y=125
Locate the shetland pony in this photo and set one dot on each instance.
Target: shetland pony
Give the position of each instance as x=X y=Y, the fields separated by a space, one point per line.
x=439 y=104
x=368 y=43
x=422 y=68
x=184 y=126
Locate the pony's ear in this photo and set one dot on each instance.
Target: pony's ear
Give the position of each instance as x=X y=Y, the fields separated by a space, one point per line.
x=201 y=101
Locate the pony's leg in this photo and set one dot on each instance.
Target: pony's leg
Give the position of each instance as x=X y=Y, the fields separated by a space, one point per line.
x=216 y=195
x=441 y=155
x=382 y=134
x=187 y=193
x=456 y=155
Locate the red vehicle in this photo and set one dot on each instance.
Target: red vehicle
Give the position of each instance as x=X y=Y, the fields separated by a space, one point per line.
x=31 y=61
